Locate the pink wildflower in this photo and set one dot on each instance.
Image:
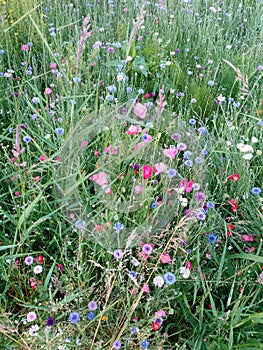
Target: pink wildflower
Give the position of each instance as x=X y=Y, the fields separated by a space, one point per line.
x=140 y=110
x=170 y=152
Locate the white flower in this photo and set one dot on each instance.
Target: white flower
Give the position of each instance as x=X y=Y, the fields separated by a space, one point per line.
x=245 y=148
x=228 y=143
x=254 y=139
x=158 y=281
x=221 y=98
x=183 y=201
x=248 y=156
x=258 y=153
x=185 y=272
x=33 y=330
x=37 y=269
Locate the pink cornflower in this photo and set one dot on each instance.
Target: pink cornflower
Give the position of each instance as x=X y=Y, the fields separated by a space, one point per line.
x=24 y=47
x=165 y=258
x=31 y=316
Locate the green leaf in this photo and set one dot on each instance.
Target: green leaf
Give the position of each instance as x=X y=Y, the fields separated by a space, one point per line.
x=245 y=256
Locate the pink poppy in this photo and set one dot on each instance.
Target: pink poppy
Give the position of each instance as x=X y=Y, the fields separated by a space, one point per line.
x=134 y=130
x=160 y=168
x=140 y=110
x=138 y=189
x=100 y=178
x=170 y=152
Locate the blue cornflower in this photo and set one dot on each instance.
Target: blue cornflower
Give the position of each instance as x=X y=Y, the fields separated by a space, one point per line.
x=112 y=88
x=236 y=104
x=196 y=58
x=153 y=205
x=192 y=121
x=129 y=89
x=212 y=238
x=74 y=317
x=188 y=163
x=118 y=227
x=59 y=131
x=27 y=139
x=2 y=52
x=162 y=65
x=90 y=316
x=171 y=172
x=134 y=330
x=210 y=205
x=256 y=190
x=77 y=80
x=199 y=160
x=169 y=278
x=109 y=98
x=140 y=91
x=144 y=344
x=260 y=123
x=133 y=274
x=211 y=83
x=202 y=130
x=187 y=154
x=80 y=224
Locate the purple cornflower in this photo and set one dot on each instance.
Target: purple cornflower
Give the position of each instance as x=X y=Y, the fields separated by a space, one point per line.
x=147 y=249
x=200 y=197
x=118 y=254
x=201 y=215
x=92 y=305
x=176 y=136
x=50 y=322
x=29 y=260
x=111 y=49
x=181 y=146
x=116 y=345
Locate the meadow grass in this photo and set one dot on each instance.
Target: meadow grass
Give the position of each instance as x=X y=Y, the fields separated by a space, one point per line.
x=131 y=170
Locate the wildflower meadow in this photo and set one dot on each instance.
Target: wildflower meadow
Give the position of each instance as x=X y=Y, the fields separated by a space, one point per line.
x=131 y=174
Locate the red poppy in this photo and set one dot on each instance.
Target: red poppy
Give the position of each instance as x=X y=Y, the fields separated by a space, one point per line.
x=40 y=259
x=156 y=326
x=234 y=177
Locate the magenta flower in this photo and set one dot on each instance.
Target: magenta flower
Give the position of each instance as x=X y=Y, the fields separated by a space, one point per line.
x=147 y=171
x=140 y=110
x=188 y=185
